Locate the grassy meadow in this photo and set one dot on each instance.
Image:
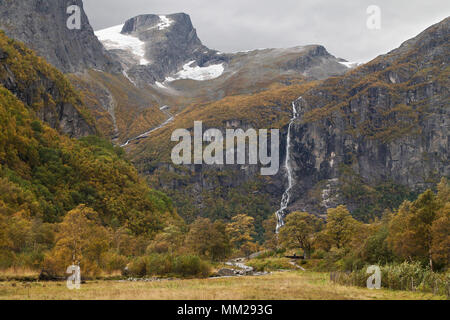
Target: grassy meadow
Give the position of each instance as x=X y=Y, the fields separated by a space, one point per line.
x=291 y=285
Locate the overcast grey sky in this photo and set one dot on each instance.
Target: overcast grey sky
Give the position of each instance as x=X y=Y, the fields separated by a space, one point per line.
x=233 y=25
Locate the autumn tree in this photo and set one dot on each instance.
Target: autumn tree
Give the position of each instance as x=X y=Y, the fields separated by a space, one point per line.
x=340 y=227
x=170 y=240
x=6 y=255
x=443 y=194
x=375 y=247
x=19 y=232
x=80 y=239
x=410 y=234
x=241 y=230
x=270 y=236
x=440 y=229
x=440 y=234
x=221 y=245
x=249 y=247
x=5 y=243
x=300 y=231
x=208 y=239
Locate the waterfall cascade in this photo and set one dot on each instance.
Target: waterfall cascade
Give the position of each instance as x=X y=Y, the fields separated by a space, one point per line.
x=287 y=194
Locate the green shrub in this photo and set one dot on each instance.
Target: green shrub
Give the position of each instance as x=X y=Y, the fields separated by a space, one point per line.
x=32 y=260
x=169 y=265
x=187 y=266
x=160 y=265
x=270 y=264
x=138 y=267
x=6 y=259
x=112 y=261
x=318 y=254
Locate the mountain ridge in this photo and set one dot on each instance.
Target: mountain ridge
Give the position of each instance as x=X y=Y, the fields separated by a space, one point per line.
x=171 y=42
x=380 y=122
x=381 y=107
x=357 y=141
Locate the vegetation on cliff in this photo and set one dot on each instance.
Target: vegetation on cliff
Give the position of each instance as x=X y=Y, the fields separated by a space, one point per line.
x=41 y=87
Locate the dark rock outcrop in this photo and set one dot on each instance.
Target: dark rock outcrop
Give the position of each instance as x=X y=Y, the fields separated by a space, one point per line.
x=225 y=272
x=42 y=26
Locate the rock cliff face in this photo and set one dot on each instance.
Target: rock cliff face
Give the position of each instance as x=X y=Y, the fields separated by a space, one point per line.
x=368 y=139
x=387 y=121
x=42 y=26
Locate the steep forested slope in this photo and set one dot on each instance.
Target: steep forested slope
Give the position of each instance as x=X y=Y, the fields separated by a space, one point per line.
x=45 y=173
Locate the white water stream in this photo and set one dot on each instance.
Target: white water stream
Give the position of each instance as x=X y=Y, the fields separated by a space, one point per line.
x=146 y=134
x=287 y=194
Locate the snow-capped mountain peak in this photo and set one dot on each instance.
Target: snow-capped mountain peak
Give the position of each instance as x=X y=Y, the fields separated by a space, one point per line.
x=113 y=39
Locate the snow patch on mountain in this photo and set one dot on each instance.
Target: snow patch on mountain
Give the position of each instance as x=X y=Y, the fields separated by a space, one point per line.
x=160 y=85
x=251 y=50
x=351 y=65
x=198 y=73
x=112 y=38
x=165 y=23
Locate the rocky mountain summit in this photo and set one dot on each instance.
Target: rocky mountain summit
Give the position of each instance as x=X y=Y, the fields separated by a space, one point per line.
x=163 y=50
x=42 y=26
x=151 y=47
x=163 y=56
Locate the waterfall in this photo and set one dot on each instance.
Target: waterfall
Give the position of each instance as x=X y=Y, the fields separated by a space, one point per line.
x=287 y=194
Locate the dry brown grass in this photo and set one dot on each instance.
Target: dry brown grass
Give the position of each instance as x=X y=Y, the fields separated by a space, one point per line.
x=288 y=285
x=18 y=272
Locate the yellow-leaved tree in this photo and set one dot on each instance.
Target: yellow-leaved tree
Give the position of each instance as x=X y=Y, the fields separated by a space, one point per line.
x=80 y=239
x=440 y=232
x=241 y=230
x=300 y=231
x=340 y=229
x=208 y=239
x=419 y=230
x=270 y=235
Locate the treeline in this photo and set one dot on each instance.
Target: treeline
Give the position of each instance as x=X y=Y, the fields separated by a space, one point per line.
x=82 y=238
x=189 y=250
x=417 y=232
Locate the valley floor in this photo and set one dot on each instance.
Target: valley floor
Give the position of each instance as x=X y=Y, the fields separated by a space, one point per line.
x=293 y=285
